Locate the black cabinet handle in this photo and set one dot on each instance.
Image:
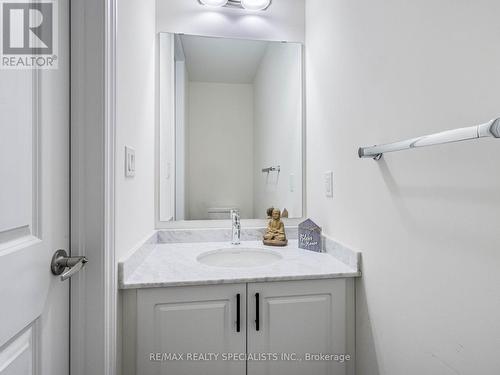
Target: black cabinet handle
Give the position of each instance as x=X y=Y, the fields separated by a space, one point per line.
x=238 y=297
x=257 y=310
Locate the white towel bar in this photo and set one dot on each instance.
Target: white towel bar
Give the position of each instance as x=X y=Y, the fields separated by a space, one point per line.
x=490 y=129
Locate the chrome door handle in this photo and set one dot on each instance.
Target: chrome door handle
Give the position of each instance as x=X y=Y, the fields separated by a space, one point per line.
x=61 y=261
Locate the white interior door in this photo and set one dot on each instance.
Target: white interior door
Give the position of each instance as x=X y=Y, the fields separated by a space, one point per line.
x=34 y=214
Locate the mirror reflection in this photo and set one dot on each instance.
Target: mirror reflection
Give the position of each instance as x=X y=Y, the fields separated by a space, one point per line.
x=231 y=126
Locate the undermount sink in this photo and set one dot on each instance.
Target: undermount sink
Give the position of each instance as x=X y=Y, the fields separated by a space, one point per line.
x=238 y=258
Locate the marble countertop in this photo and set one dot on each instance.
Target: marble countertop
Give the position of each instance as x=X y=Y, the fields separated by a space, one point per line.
x=175 y=264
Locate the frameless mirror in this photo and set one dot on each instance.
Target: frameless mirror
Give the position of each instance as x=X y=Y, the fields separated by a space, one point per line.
x=230 y=128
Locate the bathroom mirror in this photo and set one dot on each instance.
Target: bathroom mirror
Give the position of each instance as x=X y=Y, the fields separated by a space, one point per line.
x=230 y=128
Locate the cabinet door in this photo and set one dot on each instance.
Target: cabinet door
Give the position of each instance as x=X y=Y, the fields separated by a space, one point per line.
x=174 y=323
x=300 y=318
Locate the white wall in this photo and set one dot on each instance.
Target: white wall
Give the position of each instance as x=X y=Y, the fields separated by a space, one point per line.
x=284 y=20
x=220 y=136
x=135 y=121
x=426 y=220
x=181 y=147
x=166 y=127
x=278 y=130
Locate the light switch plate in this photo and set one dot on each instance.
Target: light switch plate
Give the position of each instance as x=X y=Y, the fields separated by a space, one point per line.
x=329 y=184
x=129 y=162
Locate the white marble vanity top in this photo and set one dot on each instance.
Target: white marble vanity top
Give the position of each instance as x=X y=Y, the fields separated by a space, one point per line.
x=175 y=264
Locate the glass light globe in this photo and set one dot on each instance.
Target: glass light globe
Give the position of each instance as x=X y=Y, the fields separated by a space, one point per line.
x=255 y=4
x=214 y=3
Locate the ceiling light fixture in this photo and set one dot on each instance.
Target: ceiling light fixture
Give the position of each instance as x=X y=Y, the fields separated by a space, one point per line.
x=240 y=4
x=255 y=4
x=214 y=3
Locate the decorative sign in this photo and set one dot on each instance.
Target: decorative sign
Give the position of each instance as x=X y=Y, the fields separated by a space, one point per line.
x=310 y=236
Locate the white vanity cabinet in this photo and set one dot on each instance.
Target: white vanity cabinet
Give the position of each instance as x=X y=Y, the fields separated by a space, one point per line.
x=282 y=320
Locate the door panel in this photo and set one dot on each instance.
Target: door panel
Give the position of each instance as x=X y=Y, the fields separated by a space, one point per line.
x=190 y=320
x=34 y=214
x=18 y=122
x=19 y=355
x=19 y=232
x=296 y=318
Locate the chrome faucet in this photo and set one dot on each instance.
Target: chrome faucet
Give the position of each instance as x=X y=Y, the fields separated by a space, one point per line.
x=235 y=219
